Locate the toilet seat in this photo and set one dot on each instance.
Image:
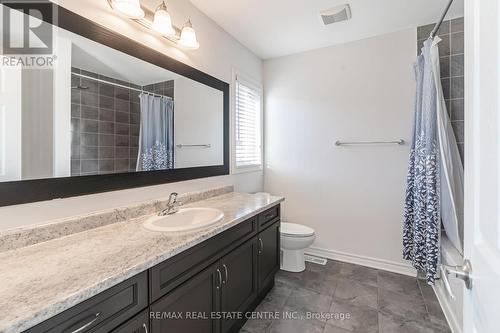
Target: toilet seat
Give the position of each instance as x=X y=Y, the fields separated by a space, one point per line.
x=295 y=230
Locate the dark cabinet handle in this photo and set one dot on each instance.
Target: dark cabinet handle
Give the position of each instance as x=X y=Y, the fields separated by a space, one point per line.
x=269 y=215
x=225 y=269
x=145 y=327
x=261 y=245
x=220 y=278
x=82 y=328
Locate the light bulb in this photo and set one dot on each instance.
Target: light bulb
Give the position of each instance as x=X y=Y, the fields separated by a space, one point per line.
x=188 y=37
x=162 y=22
x=129 y=8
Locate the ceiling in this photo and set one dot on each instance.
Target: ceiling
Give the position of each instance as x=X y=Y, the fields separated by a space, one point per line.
x=97 y=58
x=273 y=28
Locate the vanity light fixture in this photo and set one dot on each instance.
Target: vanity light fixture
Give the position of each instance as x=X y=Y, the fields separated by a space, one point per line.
x=158 y=21
x=188 y=36
x=162 y=22
x=129 y=8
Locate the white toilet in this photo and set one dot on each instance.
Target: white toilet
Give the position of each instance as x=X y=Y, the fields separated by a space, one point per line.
x=295 y=238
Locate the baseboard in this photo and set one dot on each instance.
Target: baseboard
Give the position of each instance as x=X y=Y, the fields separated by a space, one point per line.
x=382 y=264
x=441 y=293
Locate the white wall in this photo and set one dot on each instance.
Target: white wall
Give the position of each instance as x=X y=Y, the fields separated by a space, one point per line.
x=218 y=55
x=45 y=94
x=38 y=123
x=198 y=121
x=62 y=118
x=352 y=196
x=10 y=123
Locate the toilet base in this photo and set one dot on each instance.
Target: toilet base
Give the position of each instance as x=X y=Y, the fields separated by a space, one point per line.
x=292 y=260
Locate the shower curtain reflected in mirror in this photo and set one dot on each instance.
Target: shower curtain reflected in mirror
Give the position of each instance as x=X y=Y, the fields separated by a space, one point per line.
x=156 y=138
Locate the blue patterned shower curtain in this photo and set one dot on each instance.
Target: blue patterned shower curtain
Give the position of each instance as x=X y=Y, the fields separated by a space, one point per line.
x=156 y=139
x=421 y=231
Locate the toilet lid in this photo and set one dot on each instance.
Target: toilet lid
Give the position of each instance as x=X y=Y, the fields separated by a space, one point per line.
x=297 y=230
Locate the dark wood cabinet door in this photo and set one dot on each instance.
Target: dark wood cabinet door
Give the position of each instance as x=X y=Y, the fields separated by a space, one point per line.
x=239 y=282
x=189 y=308
x=269 y=254
x=171 y=273
x=138 y=324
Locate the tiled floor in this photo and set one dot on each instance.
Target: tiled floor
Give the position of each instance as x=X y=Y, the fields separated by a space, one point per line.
x=377 y=301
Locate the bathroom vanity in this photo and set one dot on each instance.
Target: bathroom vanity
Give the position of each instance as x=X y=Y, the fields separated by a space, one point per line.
x=106 y=272
x=129 y=279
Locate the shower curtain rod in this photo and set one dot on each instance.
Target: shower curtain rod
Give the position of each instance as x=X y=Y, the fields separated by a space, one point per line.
x=119 y=85
x=438 y=25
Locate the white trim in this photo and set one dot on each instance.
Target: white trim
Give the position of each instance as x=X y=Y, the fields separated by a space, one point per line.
x=247 y=169
x=441 y=295
x=247 y=80
x=258 y=85
x=382 y=264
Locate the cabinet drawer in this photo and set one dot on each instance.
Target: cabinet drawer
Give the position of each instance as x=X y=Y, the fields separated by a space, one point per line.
x=174 y=271
x=103 y=312
x=268 y=216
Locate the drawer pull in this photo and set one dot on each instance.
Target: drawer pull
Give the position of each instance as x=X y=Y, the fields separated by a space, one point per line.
x=145 y=328
x=269 y=215
x=81 y=329
x=220 y=279
x=261 y=245
x=225 y=269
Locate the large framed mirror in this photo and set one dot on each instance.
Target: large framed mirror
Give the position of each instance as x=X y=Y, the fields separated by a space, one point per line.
x=100 y=112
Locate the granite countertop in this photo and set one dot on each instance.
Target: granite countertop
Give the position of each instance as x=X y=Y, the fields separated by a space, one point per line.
x=40 y=281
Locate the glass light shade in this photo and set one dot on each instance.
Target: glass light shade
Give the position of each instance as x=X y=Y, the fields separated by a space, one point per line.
x=188 y=37
x=162 y=22
x=129 y=8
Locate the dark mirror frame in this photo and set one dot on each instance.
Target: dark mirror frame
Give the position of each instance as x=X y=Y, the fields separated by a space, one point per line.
x=25 y=191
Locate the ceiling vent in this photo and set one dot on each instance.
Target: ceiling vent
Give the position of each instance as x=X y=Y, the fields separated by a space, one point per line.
x=336 y=14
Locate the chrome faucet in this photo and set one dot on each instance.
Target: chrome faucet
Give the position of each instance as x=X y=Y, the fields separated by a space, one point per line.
x=172 y=205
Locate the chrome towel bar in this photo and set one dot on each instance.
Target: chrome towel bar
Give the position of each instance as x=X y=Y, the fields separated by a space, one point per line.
x=353 y=143
x=195 y=145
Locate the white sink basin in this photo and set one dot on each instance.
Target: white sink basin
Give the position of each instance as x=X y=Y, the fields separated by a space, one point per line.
x=185 y=219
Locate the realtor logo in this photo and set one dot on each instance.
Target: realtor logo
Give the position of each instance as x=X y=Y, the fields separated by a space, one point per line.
x=27 y=27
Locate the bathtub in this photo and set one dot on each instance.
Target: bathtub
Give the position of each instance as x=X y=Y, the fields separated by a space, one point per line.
x=452 y=308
